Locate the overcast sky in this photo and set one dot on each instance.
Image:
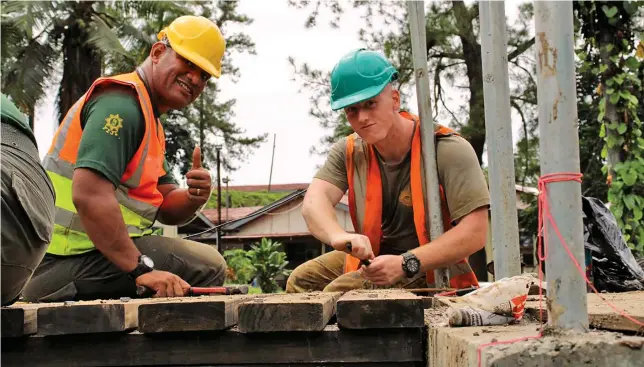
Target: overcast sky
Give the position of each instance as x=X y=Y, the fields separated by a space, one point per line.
x=268 y=101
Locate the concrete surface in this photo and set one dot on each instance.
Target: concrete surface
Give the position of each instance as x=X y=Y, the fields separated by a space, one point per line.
x=458 y=346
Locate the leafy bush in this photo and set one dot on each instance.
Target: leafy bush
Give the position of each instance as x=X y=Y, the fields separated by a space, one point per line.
x=263 y=262
x=240 y=267
x=269 y=263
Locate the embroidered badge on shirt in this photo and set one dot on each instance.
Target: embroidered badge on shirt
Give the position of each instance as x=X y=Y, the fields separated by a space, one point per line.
x=113 y=124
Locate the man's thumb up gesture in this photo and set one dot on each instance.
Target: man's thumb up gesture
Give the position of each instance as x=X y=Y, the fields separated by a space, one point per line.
x=199 y=182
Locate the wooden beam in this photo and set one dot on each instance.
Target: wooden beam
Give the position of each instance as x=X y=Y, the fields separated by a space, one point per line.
x=190 y=314
x=84 y=317
x=288 y=312
x=229 y=347
x=17 y=321
x=388 y=308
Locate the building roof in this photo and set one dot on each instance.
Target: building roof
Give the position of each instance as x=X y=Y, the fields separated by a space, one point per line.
x=229 y=214
x=274 y=187
x=236 y=224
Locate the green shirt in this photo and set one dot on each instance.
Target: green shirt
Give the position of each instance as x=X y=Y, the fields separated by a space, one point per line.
x=107 y=147
x=12 y=116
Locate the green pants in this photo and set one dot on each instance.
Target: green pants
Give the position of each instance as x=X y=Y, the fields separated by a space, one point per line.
x=325 y=273
x=91 y=276
x=27 y=212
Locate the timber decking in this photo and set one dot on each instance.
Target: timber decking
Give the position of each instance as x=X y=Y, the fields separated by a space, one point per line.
x=282 y=329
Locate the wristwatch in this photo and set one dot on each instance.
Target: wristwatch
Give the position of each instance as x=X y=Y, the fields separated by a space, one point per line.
x=410 y=265
x=145 y=265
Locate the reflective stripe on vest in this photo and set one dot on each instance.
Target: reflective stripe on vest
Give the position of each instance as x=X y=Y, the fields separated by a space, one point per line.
x=365 y=201
x=137 y=195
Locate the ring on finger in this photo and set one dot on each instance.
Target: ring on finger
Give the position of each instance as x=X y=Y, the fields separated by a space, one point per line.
x=198 y=192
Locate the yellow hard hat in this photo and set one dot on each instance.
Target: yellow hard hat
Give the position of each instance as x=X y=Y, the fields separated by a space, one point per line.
x=197 y=39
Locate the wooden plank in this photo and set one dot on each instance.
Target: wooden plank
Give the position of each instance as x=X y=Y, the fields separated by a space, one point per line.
x=20 y=319
x=601 y=315
x=387 y=308
x=191 y=314
x=288 y=312
x=228 y=347
x=85 y=317
x=17 y=322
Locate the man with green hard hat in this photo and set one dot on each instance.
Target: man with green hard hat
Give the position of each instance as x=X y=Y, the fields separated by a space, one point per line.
x=380 y=168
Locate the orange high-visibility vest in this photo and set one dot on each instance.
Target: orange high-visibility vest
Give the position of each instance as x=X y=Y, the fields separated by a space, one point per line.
x=365 y=201
x=137 y=193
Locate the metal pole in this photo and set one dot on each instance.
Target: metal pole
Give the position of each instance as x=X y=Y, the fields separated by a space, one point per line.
x=416 y=10
x=219 y=195
x=559 y=152
x=270 y=175
x=226 y=180
x=498 y=128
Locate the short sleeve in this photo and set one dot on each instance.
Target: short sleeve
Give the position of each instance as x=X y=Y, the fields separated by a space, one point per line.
x=334 y=169
x=461 y=176
x=113 y=128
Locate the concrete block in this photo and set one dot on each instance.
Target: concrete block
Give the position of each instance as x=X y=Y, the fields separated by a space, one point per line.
x=458 y=347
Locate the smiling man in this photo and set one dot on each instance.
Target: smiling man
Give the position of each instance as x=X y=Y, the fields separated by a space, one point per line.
x=112 y=181
x=380 y=166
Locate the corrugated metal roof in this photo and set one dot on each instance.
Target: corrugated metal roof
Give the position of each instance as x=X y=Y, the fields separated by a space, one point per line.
x=274 y=187
x=236 y=224
x=229 y=214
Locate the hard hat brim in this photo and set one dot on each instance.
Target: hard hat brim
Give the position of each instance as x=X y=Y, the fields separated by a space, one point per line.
x=196 y=59
x=358 y=97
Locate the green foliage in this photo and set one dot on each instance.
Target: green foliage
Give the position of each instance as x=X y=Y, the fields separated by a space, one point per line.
x=264 y=262
x=611 y=49
x=243 y=198
x=269 y=263
x=240 y=266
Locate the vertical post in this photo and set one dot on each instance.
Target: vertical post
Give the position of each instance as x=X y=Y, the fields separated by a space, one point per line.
x=498 y=128
x=559 y=152
x=270 y=175
x=219 y=195
x=416 y=14
x=226 y=180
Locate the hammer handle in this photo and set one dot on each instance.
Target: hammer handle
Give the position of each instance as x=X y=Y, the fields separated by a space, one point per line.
x=363 y=262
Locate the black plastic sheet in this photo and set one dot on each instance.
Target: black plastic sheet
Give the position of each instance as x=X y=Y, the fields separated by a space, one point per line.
x=613 y=267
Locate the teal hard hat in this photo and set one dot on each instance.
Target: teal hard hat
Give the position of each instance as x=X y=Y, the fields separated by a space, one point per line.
x=358 y=76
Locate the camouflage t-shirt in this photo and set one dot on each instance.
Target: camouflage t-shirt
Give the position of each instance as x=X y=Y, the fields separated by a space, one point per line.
x=458 y=171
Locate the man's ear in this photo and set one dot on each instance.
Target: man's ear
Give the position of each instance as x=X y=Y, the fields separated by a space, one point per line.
x=157 y=51
x=395 y=96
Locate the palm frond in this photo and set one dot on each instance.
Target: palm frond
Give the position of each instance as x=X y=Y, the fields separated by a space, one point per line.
x=26 y=82
x=103 y=38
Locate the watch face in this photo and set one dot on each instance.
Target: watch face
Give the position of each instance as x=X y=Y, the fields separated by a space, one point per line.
x=147 y=261
x=413 y=265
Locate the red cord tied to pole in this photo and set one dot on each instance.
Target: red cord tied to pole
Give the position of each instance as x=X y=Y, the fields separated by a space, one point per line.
x=542 y=252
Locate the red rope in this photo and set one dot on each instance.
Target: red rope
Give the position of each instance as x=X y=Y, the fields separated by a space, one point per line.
x=542 y=253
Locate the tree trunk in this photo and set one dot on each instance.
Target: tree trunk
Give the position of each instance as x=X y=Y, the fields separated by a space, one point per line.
x=32 y=116
x=474 y=131
x=610 y=112
x=81 y=62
